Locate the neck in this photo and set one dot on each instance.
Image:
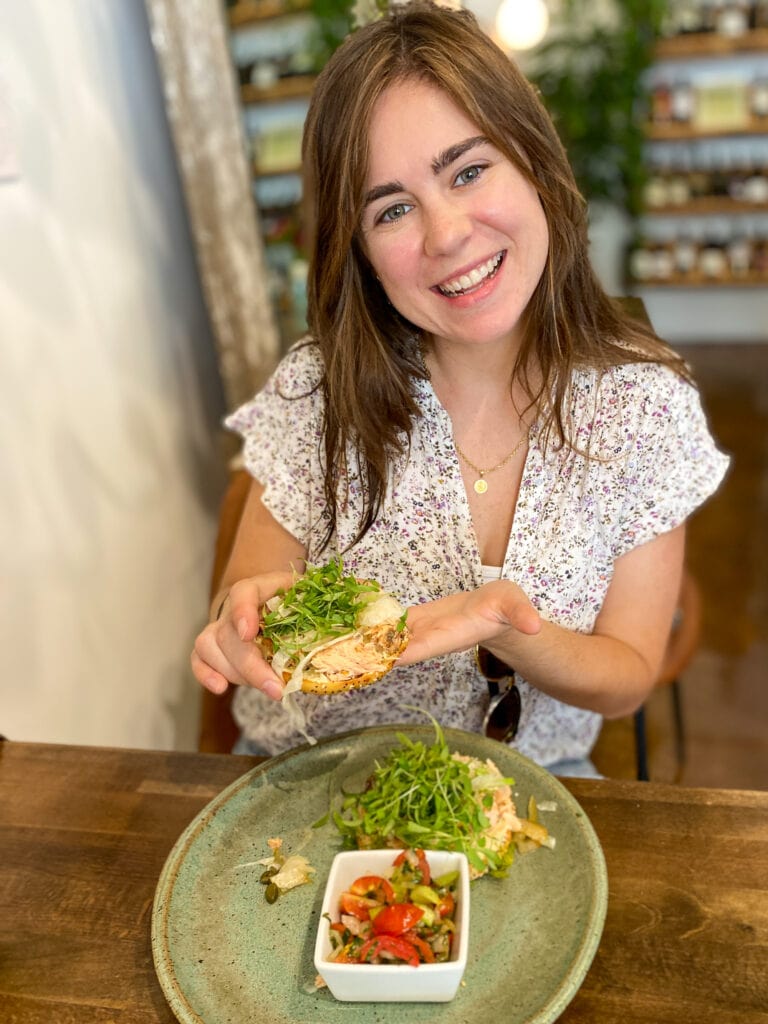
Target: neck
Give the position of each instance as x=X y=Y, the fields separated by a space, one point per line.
x=477 y=375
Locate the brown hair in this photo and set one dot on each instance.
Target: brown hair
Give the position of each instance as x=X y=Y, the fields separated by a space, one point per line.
x=370 y=353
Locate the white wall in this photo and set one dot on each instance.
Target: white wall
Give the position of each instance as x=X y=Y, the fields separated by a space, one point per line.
x=109 y=395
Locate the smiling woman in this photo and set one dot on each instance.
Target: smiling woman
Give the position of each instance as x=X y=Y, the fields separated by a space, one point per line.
x=451 y=192
x=472 y=421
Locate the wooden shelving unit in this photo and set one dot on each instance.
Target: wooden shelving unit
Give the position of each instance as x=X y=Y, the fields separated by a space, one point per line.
x=272 y=41
x=697 y=281
x=712 y=44
x=249 y=12
x=724 y=132
x=674 y=132
x=708 y=206
x=294 y=87
x=275 y=172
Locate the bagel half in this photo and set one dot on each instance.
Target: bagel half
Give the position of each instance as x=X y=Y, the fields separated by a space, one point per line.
x=330 y=633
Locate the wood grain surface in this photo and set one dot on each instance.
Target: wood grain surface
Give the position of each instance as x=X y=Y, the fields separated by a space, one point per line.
x=84 y=833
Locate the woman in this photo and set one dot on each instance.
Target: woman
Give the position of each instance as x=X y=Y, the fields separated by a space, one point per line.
x=474 y=423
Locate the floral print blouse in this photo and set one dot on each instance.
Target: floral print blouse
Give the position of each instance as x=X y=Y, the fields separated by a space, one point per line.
x=653 y=462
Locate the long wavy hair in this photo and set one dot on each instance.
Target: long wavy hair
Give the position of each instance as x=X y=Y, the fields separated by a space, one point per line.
x=369 y=352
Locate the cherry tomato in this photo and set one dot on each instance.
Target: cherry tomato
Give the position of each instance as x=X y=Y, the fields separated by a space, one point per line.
x=357 y=906
x=426 y=874
x=374 y=887
x=423 y=948
x=398 y=947
x=397 y=919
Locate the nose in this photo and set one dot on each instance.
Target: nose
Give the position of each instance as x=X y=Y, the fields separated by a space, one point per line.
x=446 y=226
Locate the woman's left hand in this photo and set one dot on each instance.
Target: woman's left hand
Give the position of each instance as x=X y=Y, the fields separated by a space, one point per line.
x=456 y=623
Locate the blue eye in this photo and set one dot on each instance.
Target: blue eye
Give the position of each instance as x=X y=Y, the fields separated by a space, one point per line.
x=396 y=212
x=469 y=174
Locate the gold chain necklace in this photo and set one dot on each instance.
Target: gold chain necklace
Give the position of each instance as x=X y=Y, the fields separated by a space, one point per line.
x=481 y=484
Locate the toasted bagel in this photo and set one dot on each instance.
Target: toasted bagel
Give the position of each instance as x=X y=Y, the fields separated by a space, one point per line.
x=350 y=662
x=366 y=639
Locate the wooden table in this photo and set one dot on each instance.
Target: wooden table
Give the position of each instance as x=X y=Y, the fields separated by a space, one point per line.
x=84 y=832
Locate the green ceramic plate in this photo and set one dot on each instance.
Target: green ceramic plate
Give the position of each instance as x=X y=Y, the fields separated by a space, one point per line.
x=223 y=954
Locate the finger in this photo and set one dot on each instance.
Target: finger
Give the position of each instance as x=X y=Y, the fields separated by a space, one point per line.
x=432 y=635
x=525 y=619
x=242 y=663
x=206 y=676
x=247 y=598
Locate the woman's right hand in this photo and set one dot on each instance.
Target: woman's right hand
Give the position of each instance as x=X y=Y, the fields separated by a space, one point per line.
x=224 y=652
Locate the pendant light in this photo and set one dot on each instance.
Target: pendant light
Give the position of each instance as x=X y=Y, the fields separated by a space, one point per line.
x=521 y=24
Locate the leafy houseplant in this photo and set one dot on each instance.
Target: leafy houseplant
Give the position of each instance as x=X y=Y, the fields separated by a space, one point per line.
x=591 y=79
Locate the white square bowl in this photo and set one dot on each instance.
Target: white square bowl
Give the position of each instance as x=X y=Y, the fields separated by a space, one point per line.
x=392 y=983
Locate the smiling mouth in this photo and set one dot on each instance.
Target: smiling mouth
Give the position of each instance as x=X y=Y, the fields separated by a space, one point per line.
x=468 y=282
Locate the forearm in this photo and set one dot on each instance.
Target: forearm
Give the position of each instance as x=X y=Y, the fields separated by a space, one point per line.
x=592 y=671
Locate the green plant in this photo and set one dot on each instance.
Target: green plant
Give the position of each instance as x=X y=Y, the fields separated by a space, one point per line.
x=333 y=22
x=591 y=80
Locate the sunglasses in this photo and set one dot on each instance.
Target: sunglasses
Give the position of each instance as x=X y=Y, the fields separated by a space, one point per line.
x=503 y=715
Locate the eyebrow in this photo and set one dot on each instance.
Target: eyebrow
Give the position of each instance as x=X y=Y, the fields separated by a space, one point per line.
x=453 y=153
x=443 y=160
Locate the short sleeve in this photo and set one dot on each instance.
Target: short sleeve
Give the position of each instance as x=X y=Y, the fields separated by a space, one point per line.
x=670 y=464
x=282 y=436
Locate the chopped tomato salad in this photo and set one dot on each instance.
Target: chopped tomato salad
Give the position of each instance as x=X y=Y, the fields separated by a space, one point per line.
x=407 y=918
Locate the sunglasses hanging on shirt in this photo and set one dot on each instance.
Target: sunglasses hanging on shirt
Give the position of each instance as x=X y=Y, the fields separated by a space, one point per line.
x=503 y=715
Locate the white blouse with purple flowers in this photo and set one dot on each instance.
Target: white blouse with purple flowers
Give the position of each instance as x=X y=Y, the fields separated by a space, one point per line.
x=652 y=462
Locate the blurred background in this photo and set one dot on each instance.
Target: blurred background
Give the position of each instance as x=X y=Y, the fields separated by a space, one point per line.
x=152 y=270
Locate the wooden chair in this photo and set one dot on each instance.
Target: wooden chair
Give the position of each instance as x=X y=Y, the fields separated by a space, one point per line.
x=683 y=641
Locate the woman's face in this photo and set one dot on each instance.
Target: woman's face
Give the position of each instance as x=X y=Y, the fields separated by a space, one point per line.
x=454 y=232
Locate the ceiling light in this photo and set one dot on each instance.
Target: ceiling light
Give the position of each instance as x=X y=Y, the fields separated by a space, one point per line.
x=521 y=24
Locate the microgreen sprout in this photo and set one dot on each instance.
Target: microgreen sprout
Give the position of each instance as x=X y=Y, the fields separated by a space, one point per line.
x=422 y=796
x=322 y=603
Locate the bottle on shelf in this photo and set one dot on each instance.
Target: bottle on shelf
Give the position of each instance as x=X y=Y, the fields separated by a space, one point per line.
x=756 y=184
x=701 y=175
x=713 y=258
x=759 y=266
x=760 y=14
x=661 y=103
x=640 y=261
x=709 y=13
x=758 y=97
x=688 y=16
x=679 y=182
x=738 y=173
x=682 y=101
x=732 y=18
x=739 y=253
x=663 y=260
x=686 y=254
x=655 y=190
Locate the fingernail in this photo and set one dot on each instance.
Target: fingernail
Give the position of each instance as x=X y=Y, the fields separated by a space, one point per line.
x=242 y=629
x=273 y=689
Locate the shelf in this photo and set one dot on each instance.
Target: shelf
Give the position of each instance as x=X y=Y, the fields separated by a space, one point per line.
x=751 y=280
x=249 y=12
x=687 y=132
x=712 y=44
x=295 y=87
x=275 y=172
x=706 y=206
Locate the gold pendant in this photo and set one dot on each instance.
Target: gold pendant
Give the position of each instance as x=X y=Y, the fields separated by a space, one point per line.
x=480 y=486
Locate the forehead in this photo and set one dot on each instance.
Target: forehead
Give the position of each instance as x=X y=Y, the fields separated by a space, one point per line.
x=412 y=121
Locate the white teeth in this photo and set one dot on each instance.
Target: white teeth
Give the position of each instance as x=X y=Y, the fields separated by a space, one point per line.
x=472 y=279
